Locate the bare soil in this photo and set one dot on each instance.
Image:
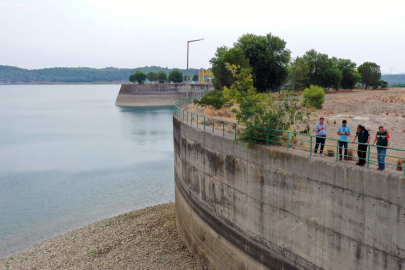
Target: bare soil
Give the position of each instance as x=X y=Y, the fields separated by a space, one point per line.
x=370 y=108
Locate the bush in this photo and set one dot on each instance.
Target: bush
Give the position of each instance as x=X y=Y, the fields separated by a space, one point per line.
x=382 y=84
x=263 y=116
x=313 y=96
x=214 y=98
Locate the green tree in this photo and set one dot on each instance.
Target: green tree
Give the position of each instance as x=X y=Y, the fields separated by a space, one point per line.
x=152 y=76
x=162 y=76
x=268 y=58
x=131 y=78
x=261 y=114
x=382 y=84
x=185 y=77
x=195 y=78
x=314 y=96
x=350 y=76
x=370 y=73
x=214 y=98
x=323 y=71
x=176 y=76
x=140 y=76
x=234 y=56
x=299 y=73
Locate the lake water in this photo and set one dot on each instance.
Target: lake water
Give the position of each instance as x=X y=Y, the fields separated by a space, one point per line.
x=70 y=157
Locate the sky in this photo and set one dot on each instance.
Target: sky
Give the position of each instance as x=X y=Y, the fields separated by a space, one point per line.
x=131 y=33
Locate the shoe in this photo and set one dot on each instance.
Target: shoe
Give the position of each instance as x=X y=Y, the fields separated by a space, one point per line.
x=322 y=155
x=314 y=154
x=362 y=164
x=379 y=169
x=346 y=158
x=358 y=163
x=382 y=169
x=340 y=158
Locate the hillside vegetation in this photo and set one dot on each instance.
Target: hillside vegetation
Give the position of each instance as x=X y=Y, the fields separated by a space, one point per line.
x=394 y=78
x=15 y=75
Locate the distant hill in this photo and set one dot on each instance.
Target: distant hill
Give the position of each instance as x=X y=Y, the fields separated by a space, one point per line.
x=15 y=75
x=394 y=78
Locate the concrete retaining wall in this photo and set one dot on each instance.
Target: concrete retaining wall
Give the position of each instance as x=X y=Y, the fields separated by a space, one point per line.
x=266 y=208
x=142 y=95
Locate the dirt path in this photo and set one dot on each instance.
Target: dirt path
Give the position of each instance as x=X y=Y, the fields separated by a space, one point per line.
x=142 y=239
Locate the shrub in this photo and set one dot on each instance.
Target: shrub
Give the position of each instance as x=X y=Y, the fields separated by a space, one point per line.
x=350 y=155
x=383 y=84
x=400 y=163
x=330 y=152
x=214 y=98
x=264 y=117
x=313 y=96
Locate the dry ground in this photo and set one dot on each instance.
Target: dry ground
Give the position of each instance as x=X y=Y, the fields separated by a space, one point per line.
x=142 y=239
x=370 y=108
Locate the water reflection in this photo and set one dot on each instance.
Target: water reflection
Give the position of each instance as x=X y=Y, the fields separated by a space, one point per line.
x=69 y=156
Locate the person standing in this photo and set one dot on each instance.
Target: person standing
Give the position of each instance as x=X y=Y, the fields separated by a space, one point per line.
x=320 y=131
x=383 y=143
x=343 y=132
x=364 y=139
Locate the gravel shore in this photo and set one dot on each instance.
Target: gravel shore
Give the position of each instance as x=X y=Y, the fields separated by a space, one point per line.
x=141 y=239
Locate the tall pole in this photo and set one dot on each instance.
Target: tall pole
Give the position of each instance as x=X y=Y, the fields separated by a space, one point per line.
x=187 y=85
x=187 y=75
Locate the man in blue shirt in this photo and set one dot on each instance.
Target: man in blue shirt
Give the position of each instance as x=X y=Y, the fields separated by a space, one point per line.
x=343 y=132
x=320 y=131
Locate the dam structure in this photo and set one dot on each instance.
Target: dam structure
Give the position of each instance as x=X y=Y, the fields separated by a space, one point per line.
x=157 y=94
x=268 y=208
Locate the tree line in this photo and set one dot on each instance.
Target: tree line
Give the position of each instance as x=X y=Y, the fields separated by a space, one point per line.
x=175 y=76
x=11 y=75
x=272 y=67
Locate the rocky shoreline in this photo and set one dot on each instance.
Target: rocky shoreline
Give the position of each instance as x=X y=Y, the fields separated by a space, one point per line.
x=141 y=239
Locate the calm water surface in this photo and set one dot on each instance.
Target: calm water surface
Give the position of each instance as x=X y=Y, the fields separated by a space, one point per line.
x=69 y=157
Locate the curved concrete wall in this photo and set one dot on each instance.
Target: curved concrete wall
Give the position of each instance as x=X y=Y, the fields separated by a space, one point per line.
x=155 y=94
x=266 y=208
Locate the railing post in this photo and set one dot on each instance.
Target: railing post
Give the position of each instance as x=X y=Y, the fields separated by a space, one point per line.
x=223 y=128
x=337 y=151
x=204 y=122
x=213 y=125
x=236 y=130
x=187 y=116
x=310 y=147
x=267 y=137
x=288 y=141
x=250 y=134
x=191 y=118
x=368 y=156
x=197 y=120
x=183 y=115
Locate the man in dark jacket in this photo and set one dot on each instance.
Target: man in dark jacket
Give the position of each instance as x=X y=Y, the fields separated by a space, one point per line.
x=364 y=140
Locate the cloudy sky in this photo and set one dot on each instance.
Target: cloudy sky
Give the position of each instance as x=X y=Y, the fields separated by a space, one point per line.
x=128 y=34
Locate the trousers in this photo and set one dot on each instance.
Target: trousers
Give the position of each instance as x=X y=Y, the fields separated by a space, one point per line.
x=344 y=144
x=320 y=141
x=362 y=153
x=381 y=152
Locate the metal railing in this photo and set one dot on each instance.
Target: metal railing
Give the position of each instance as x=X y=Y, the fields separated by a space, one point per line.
x=288 y=139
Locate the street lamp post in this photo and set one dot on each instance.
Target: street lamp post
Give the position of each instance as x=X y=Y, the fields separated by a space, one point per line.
x=188 y=42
